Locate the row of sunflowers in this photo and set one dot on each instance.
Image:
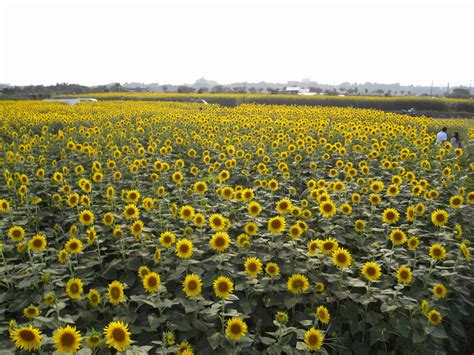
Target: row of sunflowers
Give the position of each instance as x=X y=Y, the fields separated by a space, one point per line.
x=161 y=227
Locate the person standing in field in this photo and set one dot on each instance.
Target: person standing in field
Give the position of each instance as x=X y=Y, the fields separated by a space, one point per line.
x=455 y=141
x=442 y=136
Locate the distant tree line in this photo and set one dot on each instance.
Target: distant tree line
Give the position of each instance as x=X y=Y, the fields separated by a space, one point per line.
x=43 y=92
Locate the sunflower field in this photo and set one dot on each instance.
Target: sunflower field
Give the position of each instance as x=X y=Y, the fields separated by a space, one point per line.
x=165 y=227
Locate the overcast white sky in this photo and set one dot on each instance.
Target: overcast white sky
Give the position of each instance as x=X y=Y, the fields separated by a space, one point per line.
x=98 y=42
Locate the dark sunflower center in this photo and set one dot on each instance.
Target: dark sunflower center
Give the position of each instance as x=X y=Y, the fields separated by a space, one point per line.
x=74 y=288
x=327 y=207
x=404 y=274
x=235 y=328
x=440 y=217
x=184 y=248
x=37 y=243
x=341 y=258
x=276 y=224
x=390 y=215
x=222 y=286
x=192 y=285
x=152 y=281
x=436 y=252
x=298 y=284
x=27 y=335
x=16 y=233
x=252 y=267
x=115 y=292
x=217 y=222
x=313 y=339
x=220 y=242
x=118 y=334
x=370 y=271
x=68 y=339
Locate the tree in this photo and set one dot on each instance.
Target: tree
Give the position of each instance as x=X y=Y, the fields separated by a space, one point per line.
x=185 y=89
x=164 y=88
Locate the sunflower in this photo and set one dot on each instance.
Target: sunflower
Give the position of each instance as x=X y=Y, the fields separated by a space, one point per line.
x=184 y=248
x=328 y=245
x=456 y=201
x=323 y=314
x=136 y=228
x=185 y=349
x=4 y=206
x=220 y=241
x=117 y=335
x=156 y=256
x=313 y=246
x=413 y=243
x=167 y=239
x=276 y=225
x=143 y=271
x=251 y=228
x=390 y=215
x=272 y=269
x=283 y=206
x=313 y=339
x=327 y=208
x=439 y=218
x=37 y=243
x=217 y=222
x=439 y=291
x=16 y=233
x=459 y=231
x=31 y=312
x=115 y=292
x=67 y=339
x=94 y=297
x=199 y=220
x=359 y=225
x=434 y=317
x=73 y=246
x=74 y=288
x=375 y=199
x=73 y=199
x=131 y=211
x=192 y=285
x=398 y=237
x=49 y=298
x=297 y=283
x=254 y=209
x=404 y=275
x=410 y=213
x=62 y=256
x=86 y=217
x=281 y=317
x=108 y=219
x=243 y=240
x=425 y=307
x=133 y=196
x=465 y=251
x=200 y=187
x=253 y=266
x=235 y=329
x=437 y=252
x=151 y=282
x=371 y=271
x=341 y=258
x=186 y=213
x=26 y=338
x=223 y=287
x=93 y=340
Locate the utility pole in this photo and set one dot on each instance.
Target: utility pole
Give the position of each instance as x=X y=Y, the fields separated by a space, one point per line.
x=470 y=81
x=448 y=89
x=431 y=90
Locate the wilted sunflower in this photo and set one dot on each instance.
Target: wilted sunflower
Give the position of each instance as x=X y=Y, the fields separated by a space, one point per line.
x=371 y=271
x=253 y=266
x=184 y=248
x=439 y=218
x=235 y=329
x=115 y=292
x=437 y=252
x=313 y=339
x=67 y=339
x=220 y=241
x=167 y=239
x=297 y=283
x=390 y=215
x=404 y=275
x=117 y=335
x=26 y=338
x=439 y=291
x=276 y=225
x=37 y=243
x=223 y=287
x=192 y=285
x=74 y=288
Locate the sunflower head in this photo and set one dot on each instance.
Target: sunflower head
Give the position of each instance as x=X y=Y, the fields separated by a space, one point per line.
x=235 y=329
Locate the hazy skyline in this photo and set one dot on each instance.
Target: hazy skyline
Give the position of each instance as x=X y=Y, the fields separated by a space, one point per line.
x=91 y=43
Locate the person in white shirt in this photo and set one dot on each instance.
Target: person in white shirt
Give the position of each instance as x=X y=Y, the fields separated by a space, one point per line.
x=442 y=136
